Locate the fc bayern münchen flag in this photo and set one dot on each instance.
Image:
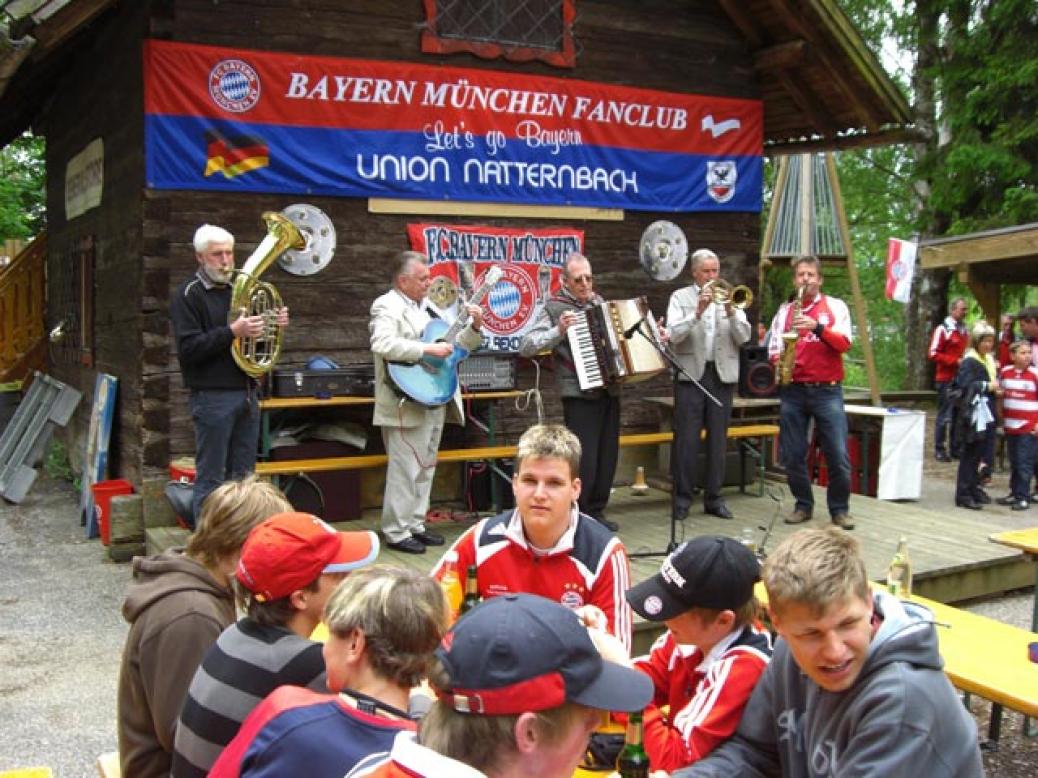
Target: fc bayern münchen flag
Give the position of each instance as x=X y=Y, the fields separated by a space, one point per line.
x=900 y=268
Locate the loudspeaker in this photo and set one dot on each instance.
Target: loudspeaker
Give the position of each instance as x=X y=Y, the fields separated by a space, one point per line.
x=756 y=373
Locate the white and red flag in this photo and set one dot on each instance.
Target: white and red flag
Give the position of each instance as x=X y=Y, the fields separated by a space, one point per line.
x=900 y=269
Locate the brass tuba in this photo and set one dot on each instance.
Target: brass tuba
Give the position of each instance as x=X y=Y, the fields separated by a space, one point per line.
x=723 y=293
x=252 y=297
x=788 y=356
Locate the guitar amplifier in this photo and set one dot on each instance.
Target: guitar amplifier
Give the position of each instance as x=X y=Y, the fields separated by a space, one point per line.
x=349 y=380
x=487 y=373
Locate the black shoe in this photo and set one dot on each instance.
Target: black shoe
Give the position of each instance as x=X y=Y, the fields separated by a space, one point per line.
x=1021 y=505
x=981 y=497
x=1007 y=500
x=971 y=504
x=408 y=546
x=940 y=456
x=720 y=510
x=612 y=526
x=680 y=512
x=428 y=538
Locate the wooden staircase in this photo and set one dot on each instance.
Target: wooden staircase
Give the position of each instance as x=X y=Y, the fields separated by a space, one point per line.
x=23 y=341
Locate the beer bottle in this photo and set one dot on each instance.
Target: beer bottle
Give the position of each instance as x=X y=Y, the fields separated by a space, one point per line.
x=451 y=583
x=471 y=599
x=899 y=573
x=633 y=762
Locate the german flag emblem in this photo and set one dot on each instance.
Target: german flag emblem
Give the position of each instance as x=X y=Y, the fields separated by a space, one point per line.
x=234 y=155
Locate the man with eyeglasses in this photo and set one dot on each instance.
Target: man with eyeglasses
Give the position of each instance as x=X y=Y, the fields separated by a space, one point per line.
x=593 y=415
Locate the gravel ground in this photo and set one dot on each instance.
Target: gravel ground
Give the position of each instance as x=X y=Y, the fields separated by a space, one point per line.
x=63 y=635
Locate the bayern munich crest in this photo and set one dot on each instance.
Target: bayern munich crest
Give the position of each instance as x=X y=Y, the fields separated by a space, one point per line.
x=234 y=85
x=510 y=302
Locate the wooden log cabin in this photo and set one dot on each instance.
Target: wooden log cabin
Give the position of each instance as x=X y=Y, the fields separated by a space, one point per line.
x=74 y=71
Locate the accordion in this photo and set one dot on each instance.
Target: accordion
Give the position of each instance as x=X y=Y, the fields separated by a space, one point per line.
x=615 y=342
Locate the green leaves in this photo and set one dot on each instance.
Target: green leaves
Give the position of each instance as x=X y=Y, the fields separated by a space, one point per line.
x=22 y=188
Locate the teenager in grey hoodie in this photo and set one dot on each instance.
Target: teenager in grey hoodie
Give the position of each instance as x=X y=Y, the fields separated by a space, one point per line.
x=855 y=685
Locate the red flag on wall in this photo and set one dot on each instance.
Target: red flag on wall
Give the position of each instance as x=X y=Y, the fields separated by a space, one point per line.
x=900 y=269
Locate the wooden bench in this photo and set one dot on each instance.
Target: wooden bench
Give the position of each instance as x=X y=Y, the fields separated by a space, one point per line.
x=743 y=433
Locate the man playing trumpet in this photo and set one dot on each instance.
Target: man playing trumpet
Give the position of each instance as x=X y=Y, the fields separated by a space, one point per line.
x=706 y=336
x=815 y=391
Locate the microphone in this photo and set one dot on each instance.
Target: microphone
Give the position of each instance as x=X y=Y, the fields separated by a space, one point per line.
x=633 y=328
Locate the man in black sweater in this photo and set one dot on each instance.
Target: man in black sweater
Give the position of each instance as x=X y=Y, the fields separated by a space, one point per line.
x=224 y=403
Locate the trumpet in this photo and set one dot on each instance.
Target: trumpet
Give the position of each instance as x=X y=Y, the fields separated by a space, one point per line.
x=723 y=293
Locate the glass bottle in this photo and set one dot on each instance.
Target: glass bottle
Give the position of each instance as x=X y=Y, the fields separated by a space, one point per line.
x=451 y=583
x=471 y=599
x=633 y=762
x=899 y=573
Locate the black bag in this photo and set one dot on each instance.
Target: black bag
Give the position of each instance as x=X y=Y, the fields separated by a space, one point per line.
x=180 y=495
x=602 y=750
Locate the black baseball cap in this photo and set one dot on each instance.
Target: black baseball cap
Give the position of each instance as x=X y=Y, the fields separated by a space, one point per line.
x=521 y=652
x=711 y=571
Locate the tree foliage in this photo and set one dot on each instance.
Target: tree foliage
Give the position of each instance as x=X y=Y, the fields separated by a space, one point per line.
x=23 y=211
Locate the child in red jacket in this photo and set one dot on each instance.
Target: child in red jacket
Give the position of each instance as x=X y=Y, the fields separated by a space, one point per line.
x=1020 y=420
x=706 y=665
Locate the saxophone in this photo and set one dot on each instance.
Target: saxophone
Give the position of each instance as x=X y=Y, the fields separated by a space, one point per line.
x=252 y=297
x=788 y=356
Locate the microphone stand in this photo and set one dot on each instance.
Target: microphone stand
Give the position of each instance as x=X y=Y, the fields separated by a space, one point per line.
x=669 y=358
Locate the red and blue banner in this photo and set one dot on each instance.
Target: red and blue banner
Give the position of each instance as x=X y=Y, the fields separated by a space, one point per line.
x=531 y=261
x=258 y=121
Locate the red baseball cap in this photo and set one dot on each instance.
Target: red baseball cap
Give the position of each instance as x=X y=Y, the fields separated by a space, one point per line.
x=288 y=551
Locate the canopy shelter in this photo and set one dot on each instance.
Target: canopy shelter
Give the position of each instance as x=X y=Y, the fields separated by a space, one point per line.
x=986 y=260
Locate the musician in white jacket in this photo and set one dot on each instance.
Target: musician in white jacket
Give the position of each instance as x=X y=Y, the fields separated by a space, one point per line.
x=706 y=338
x=593 y=415
x=410 y=431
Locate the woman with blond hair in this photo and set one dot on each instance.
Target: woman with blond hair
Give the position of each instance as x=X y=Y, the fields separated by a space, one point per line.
x=976 y=386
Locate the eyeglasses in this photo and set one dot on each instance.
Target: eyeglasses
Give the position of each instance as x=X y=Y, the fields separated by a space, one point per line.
x=581 y=279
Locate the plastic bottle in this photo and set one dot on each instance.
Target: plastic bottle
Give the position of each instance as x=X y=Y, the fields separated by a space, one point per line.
x=633 y=762
x=451 y=583
x=747 y=539
x=471 y=599
x=899 y=573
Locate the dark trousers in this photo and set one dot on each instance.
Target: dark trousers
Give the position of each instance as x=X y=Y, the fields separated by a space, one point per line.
x=945 y=438
x=1022 y=451
x=227 y=426
x=596 y=423
x=800 y=403
x=694 y=412
x=967 y=479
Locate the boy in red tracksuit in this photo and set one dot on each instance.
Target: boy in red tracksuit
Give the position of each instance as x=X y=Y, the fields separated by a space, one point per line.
x=707 y=663
x=1020 y=420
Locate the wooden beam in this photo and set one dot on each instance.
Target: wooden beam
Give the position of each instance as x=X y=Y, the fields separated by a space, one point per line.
x=806 y=102
x=501 y=210
x=987 y=294
x=850 y=91
x=735 y=9
x=854 y=140
x=970 y=251
x=54 y=31
x=781 y=56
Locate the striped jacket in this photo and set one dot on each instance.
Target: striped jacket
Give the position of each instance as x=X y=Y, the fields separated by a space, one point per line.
x=1020 y=401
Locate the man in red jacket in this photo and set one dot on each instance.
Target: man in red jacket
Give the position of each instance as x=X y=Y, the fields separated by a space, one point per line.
x=946 y=349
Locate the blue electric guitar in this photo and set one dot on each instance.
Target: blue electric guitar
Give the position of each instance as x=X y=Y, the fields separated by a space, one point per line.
x=432 y=381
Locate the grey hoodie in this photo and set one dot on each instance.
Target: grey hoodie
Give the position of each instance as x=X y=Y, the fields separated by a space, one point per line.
x=176 y=611
x=900 y=718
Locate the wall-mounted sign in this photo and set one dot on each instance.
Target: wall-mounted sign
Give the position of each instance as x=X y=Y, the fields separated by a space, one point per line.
x=532 y=262
x=258 y=121
x=84 y=179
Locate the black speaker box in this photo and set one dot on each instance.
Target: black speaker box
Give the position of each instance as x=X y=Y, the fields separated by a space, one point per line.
x=756 y=373
x=333 y=495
